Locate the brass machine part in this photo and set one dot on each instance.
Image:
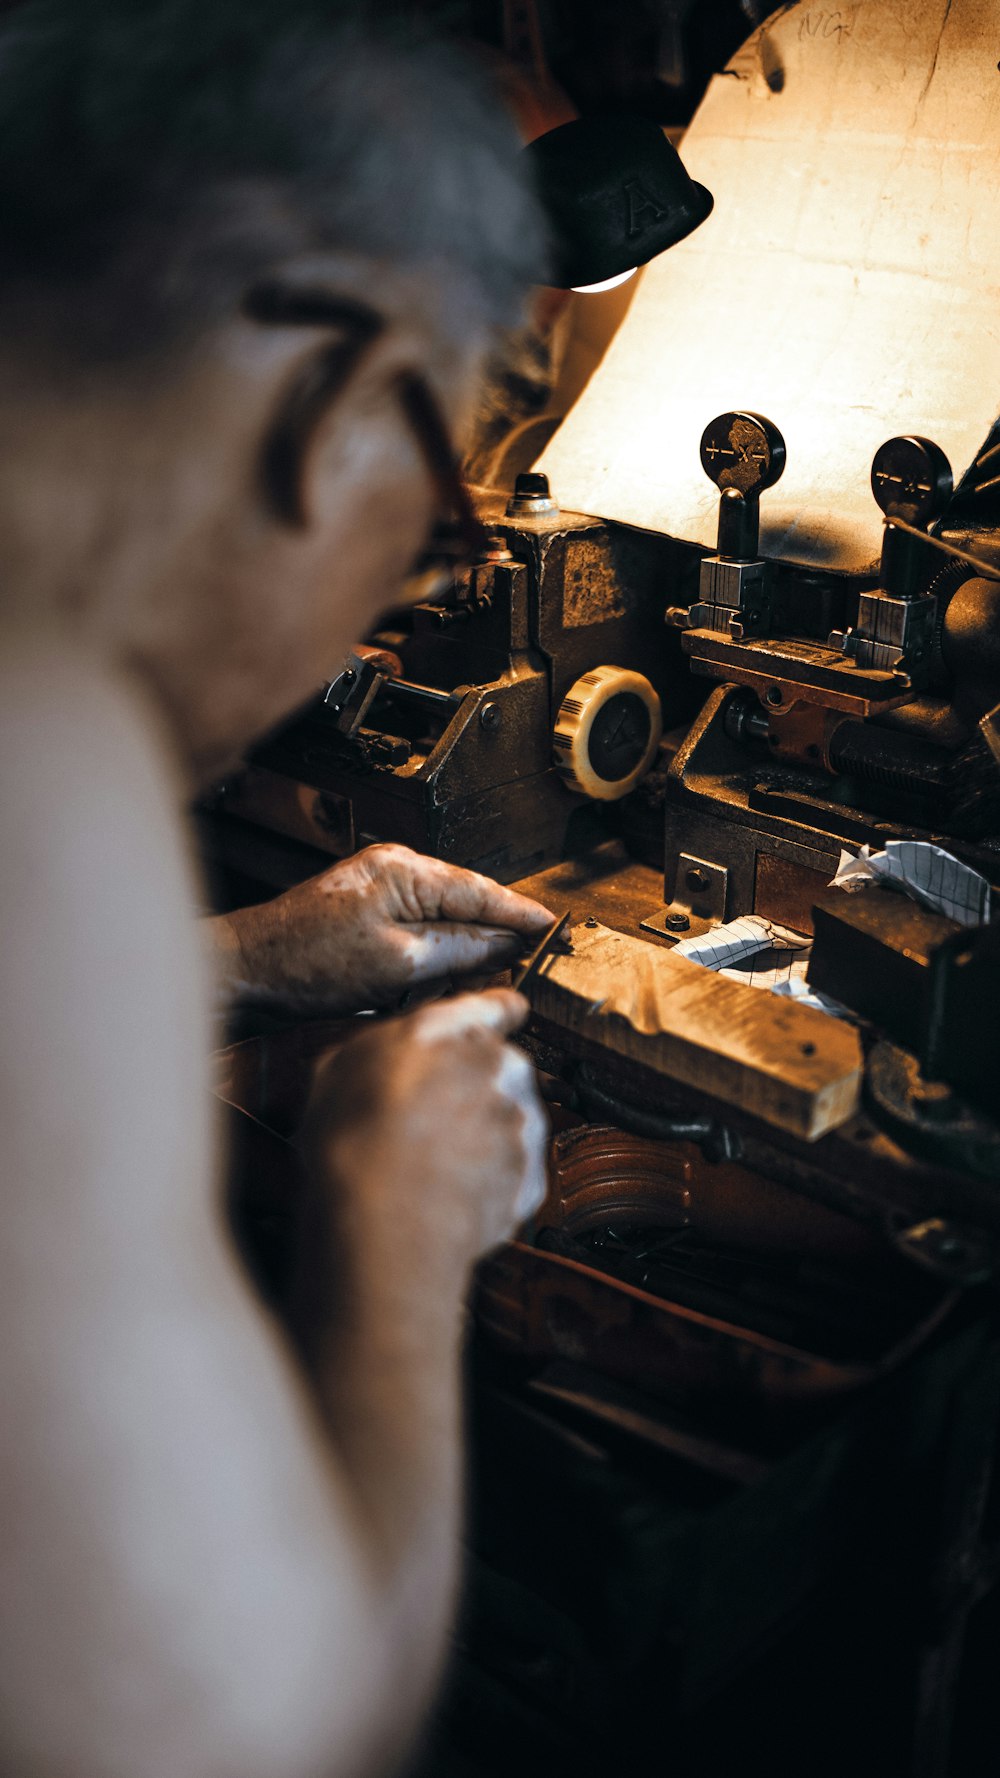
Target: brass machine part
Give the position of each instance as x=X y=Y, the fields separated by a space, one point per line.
x=803 y=733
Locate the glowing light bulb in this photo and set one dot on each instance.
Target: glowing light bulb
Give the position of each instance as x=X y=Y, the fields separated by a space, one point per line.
x=606 y=283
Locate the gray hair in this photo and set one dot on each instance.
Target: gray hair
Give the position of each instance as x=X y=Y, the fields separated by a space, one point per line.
x=153 y=152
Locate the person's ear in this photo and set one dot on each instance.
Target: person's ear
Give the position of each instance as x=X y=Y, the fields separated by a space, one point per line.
x=325 y=373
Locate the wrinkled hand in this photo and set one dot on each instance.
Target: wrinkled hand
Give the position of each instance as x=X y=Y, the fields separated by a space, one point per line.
x=372 y=928
x=432 y=1134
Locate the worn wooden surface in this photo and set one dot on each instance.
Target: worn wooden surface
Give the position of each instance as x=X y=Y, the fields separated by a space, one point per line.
x=788 y=1064
x=606 y=883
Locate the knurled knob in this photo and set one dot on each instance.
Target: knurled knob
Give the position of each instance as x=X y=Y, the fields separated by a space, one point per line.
x=607 y=732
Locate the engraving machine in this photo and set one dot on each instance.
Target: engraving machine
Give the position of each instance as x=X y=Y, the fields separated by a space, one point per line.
x=482 y=723
x=705 y=1285
x=539 y=701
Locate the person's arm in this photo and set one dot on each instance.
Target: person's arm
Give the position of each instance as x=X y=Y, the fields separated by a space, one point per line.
x=214 y=1560
x=391 y=1334
x=368 y=930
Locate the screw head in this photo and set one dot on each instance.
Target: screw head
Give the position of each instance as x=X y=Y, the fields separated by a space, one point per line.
x=676 y=922
x=490 y=716
x=591 y=920
x=698 y=880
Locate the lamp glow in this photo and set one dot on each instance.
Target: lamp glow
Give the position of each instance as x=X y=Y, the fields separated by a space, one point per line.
x=605 y=283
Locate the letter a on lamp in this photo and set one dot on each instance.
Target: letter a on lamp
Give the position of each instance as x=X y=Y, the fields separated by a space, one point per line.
x=616 y=194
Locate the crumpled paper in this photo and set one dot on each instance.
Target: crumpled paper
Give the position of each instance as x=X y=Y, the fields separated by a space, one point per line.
x=796 y=987
x=760 y=954
x=927 y=873
x=736 y=940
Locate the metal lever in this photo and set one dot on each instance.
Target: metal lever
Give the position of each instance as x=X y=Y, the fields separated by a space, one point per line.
x=912 y=481
x=896 y=626
x=742 y=454
x=351 y=695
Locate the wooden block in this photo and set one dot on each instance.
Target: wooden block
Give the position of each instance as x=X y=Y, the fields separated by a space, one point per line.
x=785 y=1063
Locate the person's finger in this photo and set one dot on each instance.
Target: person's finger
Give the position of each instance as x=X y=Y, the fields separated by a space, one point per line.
x=432 y=889
x=438 y=949
x=499 y=1010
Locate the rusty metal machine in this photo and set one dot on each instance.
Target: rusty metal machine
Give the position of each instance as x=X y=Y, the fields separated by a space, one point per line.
x=441 y=733
x=850 y=710
x=666 y=739
x=737 y=717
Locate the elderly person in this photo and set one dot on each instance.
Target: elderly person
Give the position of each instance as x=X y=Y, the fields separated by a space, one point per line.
x=251 y=256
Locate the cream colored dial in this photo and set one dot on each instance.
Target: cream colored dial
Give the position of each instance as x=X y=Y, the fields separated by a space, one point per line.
x=607 y=732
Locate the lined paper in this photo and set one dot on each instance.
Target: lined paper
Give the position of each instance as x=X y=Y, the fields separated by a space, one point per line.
x=760 y=954
x=927 y=873
x=736 y=940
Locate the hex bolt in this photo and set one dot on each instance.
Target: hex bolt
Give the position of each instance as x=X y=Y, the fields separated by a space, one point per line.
x=698 y=880
x=676 y=922
x=495 y=548
x=490 y=716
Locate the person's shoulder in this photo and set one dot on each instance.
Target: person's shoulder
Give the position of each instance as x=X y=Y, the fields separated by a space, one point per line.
x=90 y=797
x=64 y=714
x=88 y=782
x=100 y=970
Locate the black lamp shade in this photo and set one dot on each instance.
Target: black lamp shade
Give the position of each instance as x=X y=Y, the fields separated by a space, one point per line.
x=615 y=193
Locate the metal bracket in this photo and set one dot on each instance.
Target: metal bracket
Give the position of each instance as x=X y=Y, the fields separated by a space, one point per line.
x=700 y=887
x=351 y=695
x=699 y=900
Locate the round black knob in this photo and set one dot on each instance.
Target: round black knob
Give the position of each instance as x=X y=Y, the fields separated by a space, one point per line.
x=911 y=479
x=742 y=451
x=531 y=484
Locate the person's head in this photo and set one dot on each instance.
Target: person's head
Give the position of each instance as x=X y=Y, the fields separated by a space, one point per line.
x=233 y=234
